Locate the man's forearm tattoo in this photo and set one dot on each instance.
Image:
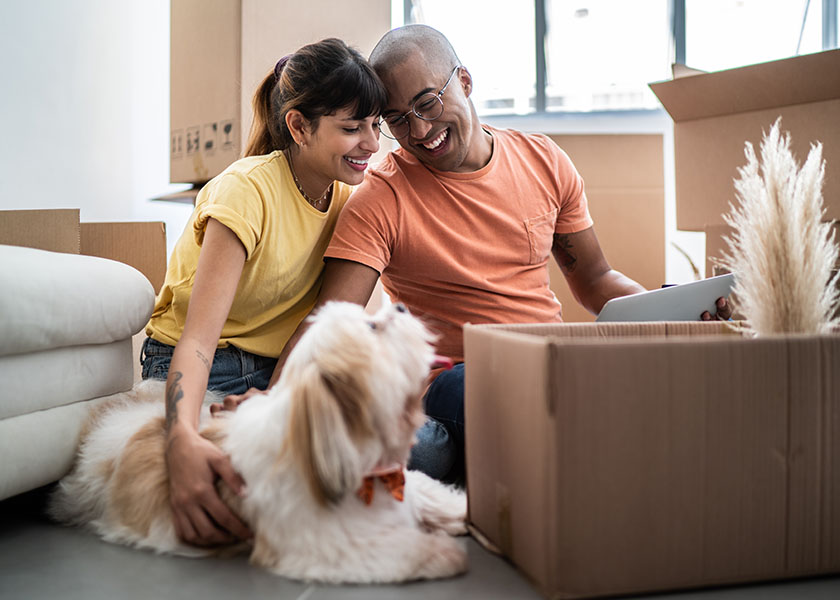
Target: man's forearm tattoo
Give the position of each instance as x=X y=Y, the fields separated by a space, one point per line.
x=563 y=253
x=174 y=393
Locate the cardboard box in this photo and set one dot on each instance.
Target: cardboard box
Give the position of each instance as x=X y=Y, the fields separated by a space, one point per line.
x=624 y=181
x=715 y=113
x=624 y=458
x=56 y=230
x=221 y=51
x=141 y=245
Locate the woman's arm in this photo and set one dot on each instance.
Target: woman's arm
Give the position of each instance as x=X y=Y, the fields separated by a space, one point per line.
x=201 y=518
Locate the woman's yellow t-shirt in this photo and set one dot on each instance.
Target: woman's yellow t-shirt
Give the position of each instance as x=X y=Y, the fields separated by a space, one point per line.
x=284 y=239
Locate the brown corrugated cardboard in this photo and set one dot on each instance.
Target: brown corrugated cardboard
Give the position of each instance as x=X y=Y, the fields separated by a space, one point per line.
x=623 y=458
x=715 y=113
x=624 y=182
x=220 y=51
x=140 y=245
x=50 y=229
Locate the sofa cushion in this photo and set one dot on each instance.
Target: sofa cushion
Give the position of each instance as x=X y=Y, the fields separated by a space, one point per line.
x=40 y=380
x=53 y=300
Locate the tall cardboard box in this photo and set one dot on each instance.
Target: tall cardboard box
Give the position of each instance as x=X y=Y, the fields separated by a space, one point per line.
x=623 y=458
x=715 y=113
x=220 y=52
x=624 y=180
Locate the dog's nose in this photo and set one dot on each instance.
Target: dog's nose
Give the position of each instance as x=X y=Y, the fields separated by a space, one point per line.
x=400 y=307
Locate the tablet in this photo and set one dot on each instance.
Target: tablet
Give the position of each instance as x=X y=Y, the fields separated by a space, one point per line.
x=684 y=302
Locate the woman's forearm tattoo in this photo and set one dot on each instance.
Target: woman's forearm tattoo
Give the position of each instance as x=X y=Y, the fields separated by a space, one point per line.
x=174 y=393
x=203 y=359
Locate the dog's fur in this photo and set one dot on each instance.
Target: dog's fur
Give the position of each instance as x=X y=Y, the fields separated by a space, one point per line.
x=347 y=403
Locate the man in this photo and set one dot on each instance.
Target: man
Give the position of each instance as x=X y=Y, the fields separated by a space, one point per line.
x=459 y=222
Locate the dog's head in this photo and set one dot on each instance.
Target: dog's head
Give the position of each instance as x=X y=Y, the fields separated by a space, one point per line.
x=354 y=382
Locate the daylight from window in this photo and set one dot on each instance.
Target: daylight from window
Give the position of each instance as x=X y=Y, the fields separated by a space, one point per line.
x=601 y=54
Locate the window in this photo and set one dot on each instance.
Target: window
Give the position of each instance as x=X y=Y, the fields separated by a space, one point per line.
x=599 y=55
x=497 y=48
x=722 y=34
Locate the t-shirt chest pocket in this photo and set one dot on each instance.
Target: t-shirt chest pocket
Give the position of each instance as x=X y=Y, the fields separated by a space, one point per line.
x=540 y=236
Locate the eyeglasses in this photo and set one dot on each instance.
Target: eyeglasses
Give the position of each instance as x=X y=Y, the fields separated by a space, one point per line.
x=428 y=107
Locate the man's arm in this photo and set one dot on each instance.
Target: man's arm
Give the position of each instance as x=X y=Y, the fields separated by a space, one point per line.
x=590 y=277
x=345 y=281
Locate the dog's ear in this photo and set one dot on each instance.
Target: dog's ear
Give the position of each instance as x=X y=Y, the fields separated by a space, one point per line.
x=328 y=414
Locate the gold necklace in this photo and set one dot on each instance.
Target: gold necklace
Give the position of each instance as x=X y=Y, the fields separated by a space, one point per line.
x=314 y=202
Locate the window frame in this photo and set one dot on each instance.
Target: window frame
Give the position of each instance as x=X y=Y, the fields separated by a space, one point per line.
x=676 y=10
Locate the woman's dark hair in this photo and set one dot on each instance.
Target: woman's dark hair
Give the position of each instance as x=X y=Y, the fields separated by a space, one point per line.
x=318 y=80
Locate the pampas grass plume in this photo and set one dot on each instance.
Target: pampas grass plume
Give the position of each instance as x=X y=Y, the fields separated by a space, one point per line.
x=781 y=251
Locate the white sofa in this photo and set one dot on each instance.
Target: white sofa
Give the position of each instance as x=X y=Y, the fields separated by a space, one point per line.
x=66 y=327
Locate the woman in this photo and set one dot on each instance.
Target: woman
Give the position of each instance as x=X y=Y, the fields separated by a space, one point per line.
x=248 y=267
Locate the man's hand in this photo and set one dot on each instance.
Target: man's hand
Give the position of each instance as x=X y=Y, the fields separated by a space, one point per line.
x=723 y=311
x=232 y=401
x=201 y=517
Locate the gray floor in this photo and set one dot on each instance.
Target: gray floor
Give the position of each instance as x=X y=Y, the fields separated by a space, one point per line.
x=41 y=560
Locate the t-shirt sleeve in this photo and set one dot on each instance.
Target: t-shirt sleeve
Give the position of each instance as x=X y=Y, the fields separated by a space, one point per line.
x=235 y=202
x=573 y=214
x=365 y=231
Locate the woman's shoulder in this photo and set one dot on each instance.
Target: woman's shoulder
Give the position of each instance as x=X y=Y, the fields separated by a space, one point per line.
x=256 y=166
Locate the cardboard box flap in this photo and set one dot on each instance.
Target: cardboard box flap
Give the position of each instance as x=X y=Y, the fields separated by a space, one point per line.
x=797 y=80
x=680 y=70
x=56 y=230
x=141 y=245
x=609 y=332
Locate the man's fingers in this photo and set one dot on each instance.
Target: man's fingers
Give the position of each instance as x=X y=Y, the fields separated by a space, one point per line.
x=724 y=309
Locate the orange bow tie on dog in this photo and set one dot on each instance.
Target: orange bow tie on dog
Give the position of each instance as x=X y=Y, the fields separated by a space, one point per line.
x=392 y=477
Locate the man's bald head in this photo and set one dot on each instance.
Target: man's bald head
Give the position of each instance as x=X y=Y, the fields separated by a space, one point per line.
x=398 y=44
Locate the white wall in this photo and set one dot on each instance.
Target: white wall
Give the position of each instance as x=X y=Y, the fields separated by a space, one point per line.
x=84 y=109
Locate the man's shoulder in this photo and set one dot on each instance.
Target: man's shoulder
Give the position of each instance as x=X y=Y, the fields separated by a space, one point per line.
x=519 y=139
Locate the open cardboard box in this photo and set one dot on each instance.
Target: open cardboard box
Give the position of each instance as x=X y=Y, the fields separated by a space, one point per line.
x=715 y=113
x=141 y=245
x=623 y=458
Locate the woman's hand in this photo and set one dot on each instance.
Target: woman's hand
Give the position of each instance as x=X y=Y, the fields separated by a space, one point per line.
x=201 y=517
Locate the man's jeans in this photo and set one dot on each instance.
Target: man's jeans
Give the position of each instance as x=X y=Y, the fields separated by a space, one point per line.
x=439 y=452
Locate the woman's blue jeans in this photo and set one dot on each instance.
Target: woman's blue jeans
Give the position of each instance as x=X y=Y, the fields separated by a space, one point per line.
x=439 y=451
x=234 y=371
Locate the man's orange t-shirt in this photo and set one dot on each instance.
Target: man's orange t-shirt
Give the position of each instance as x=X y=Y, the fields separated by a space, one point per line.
x=461 y=248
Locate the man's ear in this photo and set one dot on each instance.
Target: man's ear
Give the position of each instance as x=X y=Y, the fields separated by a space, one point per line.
x=465 y=79
x=298 y=125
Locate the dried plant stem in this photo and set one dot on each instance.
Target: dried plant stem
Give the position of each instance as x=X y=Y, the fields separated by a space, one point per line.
x=781 y=251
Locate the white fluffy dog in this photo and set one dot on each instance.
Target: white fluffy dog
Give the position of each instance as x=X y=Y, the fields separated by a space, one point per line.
x=316 y=453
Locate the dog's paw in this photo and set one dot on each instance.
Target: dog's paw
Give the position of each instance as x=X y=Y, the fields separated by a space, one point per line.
x=437 y=507
x=445 y=557
x=449 y=516
x=455 y=527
